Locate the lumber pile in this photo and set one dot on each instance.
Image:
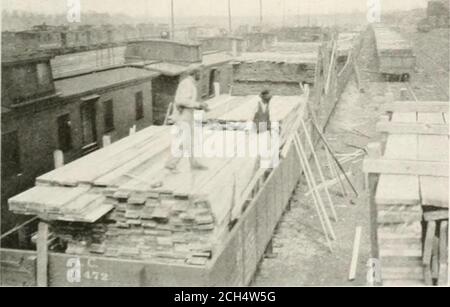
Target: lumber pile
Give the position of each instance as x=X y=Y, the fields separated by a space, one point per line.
x=391 y=43
x=409 y=185
x=120 y=201
x=283 y=109
x=275 y=67
x=435 y=251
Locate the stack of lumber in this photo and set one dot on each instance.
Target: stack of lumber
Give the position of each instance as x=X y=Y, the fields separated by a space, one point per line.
x=435 y=252
x=391 y=43
x=300 y=47
x=121 y=202
x=408 y=188
x=283 y=110
x=275 y=67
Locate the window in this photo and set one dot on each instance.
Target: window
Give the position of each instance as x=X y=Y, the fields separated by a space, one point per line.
x=64 y=133
x=139 y=101
x=108 y=115
x=10 y=155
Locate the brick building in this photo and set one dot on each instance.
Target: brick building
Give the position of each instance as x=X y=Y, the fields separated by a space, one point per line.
x=40 y=115
x=173 y=59
x=232 y=45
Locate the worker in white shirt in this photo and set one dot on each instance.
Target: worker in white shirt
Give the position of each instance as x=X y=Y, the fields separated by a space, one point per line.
x=183 y=116
x=262 y=114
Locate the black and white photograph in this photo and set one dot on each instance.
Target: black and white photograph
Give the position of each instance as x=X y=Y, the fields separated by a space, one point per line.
x=224 y=150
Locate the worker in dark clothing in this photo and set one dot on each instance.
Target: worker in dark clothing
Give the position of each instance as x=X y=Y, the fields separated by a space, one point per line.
x=262 y=114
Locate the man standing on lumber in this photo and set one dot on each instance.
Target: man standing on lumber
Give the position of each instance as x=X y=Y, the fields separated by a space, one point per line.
x=183 y=116
x=262 y=114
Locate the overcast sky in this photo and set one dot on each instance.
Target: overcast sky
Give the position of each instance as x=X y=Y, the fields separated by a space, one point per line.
x=208 y=7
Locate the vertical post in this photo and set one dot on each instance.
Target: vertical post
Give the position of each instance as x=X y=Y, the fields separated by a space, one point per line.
x=216 y=89
x=58 y=158
x=172 y=20
x=42 y=255
x=106 y=140
x=374 y=151
x=133 y=130
x=230 y=26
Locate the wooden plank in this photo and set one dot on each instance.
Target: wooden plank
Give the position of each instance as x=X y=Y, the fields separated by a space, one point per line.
x=416 y=106
x=428 y=245
x=402 y=273
x=405 y=167
x=389 y=217
x=398 y=189
x=435 y=259
x=41 y=199
x=434 y=190
x=436 y=215
x=400 y=250
x=430 y=118
x=406 y=117
x=443 y=254
x=404 y=283
x=433 y=148
x=403 y=147
x=355 y=253
x=412 y=128
x=42 y=255
x=65 y=173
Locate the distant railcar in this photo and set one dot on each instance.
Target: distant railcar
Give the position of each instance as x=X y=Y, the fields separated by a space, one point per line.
x=396 y=57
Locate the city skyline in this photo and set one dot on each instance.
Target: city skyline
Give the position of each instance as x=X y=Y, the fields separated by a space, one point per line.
x=189 y=8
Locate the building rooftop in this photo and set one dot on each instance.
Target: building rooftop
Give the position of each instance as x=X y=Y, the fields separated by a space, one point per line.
x=216 y=58
x=279 y=57
x=83 y=84
x=172 y=69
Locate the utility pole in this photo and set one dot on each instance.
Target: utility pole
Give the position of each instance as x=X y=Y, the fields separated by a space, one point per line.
x=172 y=23
x=229 y=18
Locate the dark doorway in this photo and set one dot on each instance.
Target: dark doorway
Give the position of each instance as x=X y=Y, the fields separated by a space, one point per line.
x=64 y=133
x=88 y=114
x=212 y=80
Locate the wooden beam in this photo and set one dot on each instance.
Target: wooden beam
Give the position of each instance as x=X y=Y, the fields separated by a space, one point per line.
x=428 y=245
x=374 y=152
x=443 y=254
x=42 y=255
x=17 y=228
x=436 y=215
x=355 y=254
x=412 y=128
x=414 y=106
x=406 y=167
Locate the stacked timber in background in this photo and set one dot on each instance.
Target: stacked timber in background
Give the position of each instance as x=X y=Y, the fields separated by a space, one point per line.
x=120 y=202
x=391 y=43
x=435 y=251
x=281 y=72
x=395 y=54
x=409 y=197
